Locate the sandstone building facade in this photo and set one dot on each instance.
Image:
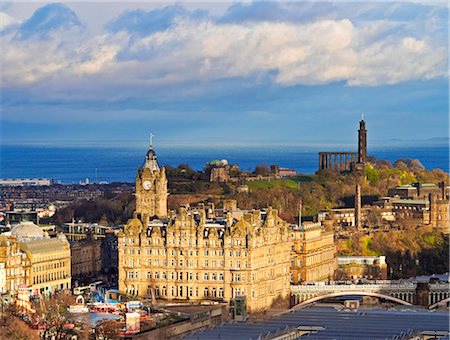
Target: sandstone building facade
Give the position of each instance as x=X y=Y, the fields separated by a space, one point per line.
x=86 y=259
x=314 y=253
x=194 y=256
x=32 y=258
x=151 y=188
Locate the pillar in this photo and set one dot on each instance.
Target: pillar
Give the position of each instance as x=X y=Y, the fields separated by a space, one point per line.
x=358 y=206
x=422 y=294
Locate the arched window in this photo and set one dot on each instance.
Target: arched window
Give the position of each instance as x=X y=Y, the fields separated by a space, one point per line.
x=206 y=292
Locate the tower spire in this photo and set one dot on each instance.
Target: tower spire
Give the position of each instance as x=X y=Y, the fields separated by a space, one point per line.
x=362 y=115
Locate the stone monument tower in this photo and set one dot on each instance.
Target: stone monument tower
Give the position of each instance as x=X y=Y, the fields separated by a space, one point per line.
x=151 y=187
x=359 y=168
x=362 y=141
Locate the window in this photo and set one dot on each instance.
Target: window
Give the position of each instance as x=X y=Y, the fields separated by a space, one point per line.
x=149 y=275
x=220 y=277
x=205 y=276
x=213 y=276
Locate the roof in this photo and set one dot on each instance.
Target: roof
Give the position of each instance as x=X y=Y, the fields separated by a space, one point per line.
x=407 y=201
x=49 y=245
x=27 y=230
x=333 y=324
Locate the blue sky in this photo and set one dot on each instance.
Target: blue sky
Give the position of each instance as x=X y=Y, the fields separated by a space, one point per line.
x=223 y=72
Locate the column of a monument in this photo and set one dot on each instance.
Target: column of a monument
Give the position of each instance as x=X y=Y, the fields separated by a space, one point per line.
x=358 y=205
x=330 y=162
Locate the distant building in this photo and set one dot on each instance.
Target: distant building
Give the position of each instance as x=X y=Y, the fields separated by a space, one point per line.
x=361 y=267
x=217 y=171
x=86 y=259
x=284 y=172
x=242 y=188
x=25 y=182
x=76 y=231
x=411 y=205
x=194 y=256
x=344 y=160
x=313 y=253
x=12 y=264
x=109 y=251
x=30 y=257
x=48 y=268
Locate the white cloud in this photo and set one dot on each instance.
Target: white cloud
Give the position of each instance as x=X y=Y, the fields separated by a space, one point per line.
x=324 y=51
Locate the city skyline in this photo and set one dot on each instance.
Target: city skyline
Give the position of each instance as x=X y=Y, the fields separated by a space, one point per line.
x=260 y=72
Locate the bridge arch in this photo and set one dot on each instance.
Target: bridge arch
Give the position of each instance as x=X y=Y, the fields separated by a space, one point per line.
x=435 y=305
x=354 y=293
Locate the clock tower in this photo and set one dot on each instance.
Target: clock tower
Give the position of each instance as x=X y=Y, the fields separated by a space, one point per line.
x=151 y=187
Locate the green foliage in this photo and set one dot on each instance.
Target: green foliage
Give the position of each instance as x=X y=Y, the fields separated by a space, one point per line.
x=366 y=243
x=181 y=171
x=262 y=169
x=407 y=177
x=430 y=240
x=372 y=174
x=283 y=183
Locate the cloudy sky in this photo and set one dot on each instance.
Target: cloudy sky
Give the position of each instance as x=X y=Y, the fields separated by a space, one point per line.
x=223 y=72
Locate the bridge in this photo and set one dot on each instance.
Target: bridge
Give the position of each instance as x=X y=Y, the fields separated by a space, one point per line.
x=402 y=292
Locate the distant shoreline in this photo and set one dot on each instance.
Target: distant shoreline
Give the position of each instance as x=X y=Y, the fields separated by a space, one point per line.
x=119 y=164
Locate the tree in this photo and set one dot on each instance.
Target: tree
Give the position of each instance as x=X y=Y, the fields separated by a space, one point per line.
x=108 y=329
x=262 y=169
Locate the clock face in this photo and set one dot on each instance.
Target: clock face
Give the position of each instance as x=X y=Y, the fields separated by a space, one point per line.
x=147 y=185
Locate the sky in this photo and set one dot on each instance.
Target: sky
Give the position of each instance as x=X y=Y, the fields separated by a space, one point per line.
x=223 y=72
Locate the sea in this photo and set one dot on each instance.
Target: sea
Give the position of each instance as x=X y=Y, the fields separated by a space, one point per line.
x=115 y=163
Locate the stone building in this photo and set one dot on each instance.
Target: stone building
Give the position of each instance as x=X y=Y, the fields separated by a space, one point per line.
x=151 y=187
x=217 y=171
x=345 y=160
x=357 y=267
x=45 y=261
x=12 y=263
x=86 y=259
x=187 y=257
x=313 y=253
x=411 y=205
x=109 y=253
x=192 y=256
